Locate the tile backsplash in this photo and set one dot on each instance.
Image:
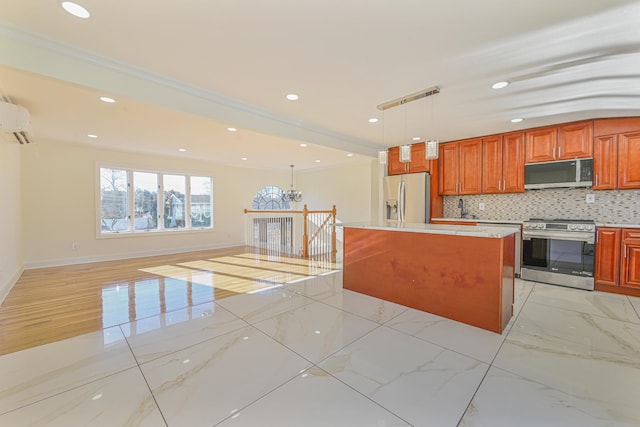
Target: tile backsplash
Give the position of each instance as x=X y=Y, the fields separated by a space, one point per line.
x=618 y=206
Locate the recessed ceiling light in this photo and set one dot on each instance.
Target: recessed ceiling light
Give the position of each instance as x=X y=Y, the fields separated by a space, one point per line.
x=373 y=120
x=182 y=150
x=75 y=9
x=303 y=145
x=499 y=85
x=243 y=158
x=317 y=161
x=350 y=155
x=292 y=97
x=107 y=99
x=92 y=136
x=518 y=120
x=416 y=138
x=232 y=129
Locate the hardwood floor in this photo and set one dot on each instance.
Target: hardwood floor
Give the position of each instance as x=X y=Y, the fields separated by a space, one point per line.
x=51 y=304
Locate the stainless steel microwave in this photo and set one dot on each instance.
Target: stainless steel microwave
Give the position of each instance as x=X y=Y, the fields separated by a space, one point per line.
x=560 y=174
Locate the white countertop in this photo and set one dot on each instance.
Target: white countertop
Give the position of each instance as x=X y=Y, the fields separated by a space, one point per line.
x=616 y=225
x=456 y=230
x=483 y=221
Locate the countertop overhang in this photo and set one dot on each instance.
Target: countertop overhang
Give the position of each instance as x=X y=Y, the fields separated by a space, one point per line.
x=456 y=230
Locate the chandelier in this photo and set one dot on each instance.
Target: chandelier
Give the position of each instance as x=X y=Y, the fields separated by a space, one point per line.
x=292 y=195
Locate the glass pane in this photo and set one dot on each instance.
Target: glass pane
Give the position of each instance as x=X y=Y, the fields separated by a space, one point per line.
x=145 y=198
x=174 y=201
x=270 y=198
x=200 y=201
x=114 y=205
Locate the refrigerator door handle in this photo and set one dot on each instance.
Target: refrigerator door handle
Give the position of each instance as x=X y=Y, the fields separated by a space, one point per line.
x=401 y=201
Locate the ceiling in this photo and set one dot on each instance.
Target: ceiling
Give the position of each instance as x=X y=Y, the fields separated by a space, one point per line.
x=183 y=72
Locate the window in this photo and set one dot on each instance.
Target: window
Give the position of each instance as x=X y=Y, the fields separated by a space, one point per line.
x=270 y=198
x=143 y=201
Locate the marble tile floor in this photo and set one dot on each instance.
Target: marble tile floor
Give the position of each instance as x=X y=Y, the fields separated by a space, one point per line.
x=309 y=353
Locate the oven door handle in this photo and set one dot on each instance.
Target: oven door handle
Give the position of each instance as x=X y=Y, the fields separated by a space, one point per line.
x=558 y=235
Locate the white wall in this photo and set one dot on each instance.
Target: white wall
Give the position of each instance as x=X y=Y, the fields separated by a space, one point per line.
x=59 y=204
x=11 y=256
x=349 y=188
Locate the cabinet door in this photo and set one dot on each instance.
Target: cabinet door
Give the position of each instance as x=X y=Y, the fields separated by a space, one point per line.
x=394 y=166
x=471 y=166
x=541 y=145
x=419 y=163
x=448 y=169
x=492 y=164
x=630 y=258
x=575 y=140
x=629 y=160
x=513 y=162
x=607 y=261
x=605 y=162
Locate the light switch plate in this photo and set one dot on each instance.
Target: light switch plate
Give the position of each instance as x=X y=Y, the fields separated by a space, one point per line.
x=591 y=198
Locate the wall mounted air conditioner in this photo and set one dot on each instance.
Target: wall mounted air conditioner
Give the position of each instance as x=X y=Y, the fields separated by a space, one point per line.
x=13 y=118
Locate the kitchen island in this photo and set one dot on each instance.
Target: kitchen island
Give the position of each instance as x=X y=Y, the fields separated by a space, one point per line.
x=461 y=272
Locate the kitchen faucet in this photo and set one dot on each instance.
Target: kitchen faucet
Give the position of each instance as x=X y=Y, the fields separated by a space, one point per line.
x=463 y=212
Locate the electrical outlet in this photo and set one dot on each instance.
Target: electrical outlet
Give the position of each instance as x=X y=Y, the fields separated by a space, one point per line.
x=591 y=198
x=74 y=246
x=481 y=206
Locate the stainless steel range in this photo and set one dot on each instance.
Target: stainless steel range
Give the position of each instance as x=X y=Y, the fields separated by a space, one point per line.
x=559 y=251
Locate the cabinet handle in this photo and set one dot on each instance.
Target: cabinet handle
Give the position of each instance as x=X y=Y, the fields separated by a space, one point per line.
x=624 y=249
x=596 y=180
x=504 y=185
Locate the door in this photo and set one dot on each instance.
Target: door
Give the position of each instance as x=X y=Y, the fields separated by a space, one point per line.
x=416 y=197
x=541 y=145
x=448 y=173
x=628 y=160
x=575 y=140
x=608 y=257
x=471 y=167
x=605 y=164
x=492 y=164
x=513 y=163
x=391 y=200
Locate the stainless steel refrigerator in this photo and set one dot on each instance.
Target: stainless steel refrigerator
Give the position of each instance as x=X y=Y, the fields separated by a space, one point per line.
x=406 y=198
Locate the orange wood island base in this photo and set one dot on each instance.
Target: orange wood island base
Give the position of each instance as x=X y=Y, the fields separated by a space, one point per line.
x=464 y=277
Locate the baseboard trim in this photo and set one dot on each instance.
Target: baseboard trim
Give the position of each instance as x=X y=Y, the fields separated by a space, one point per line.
x=116 y=257
x=5 y=288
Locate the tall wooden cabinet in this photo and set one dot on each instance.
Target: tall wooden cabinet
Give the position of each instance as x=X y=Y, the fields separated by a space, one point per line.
x=460 y=167
x=503 y=163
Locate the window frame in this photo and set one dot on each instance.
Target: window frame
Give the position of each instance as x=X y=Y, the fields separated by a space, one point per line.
x=160 y=230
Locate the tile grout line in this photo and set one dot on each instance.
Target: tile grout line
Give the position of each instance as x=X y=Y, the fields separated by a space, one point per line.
x=494 y=357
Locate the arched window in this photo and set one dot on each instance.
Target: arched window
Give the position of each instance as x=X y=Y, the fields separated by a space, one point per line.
x=270 y=198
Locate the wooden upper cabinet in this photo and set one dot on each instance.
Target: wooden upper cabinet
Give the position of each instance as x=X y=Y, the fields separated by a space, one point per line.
x=418 y=161
x=575 y=140
x=492 y=159
x=541 y=145
x=470 y=166
x=629 y=160
x=394 y=165
x=605 y=162
x=503 y=163
x=570 y=141
x=448 y=172
x=513 y=162
x=607 y=259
